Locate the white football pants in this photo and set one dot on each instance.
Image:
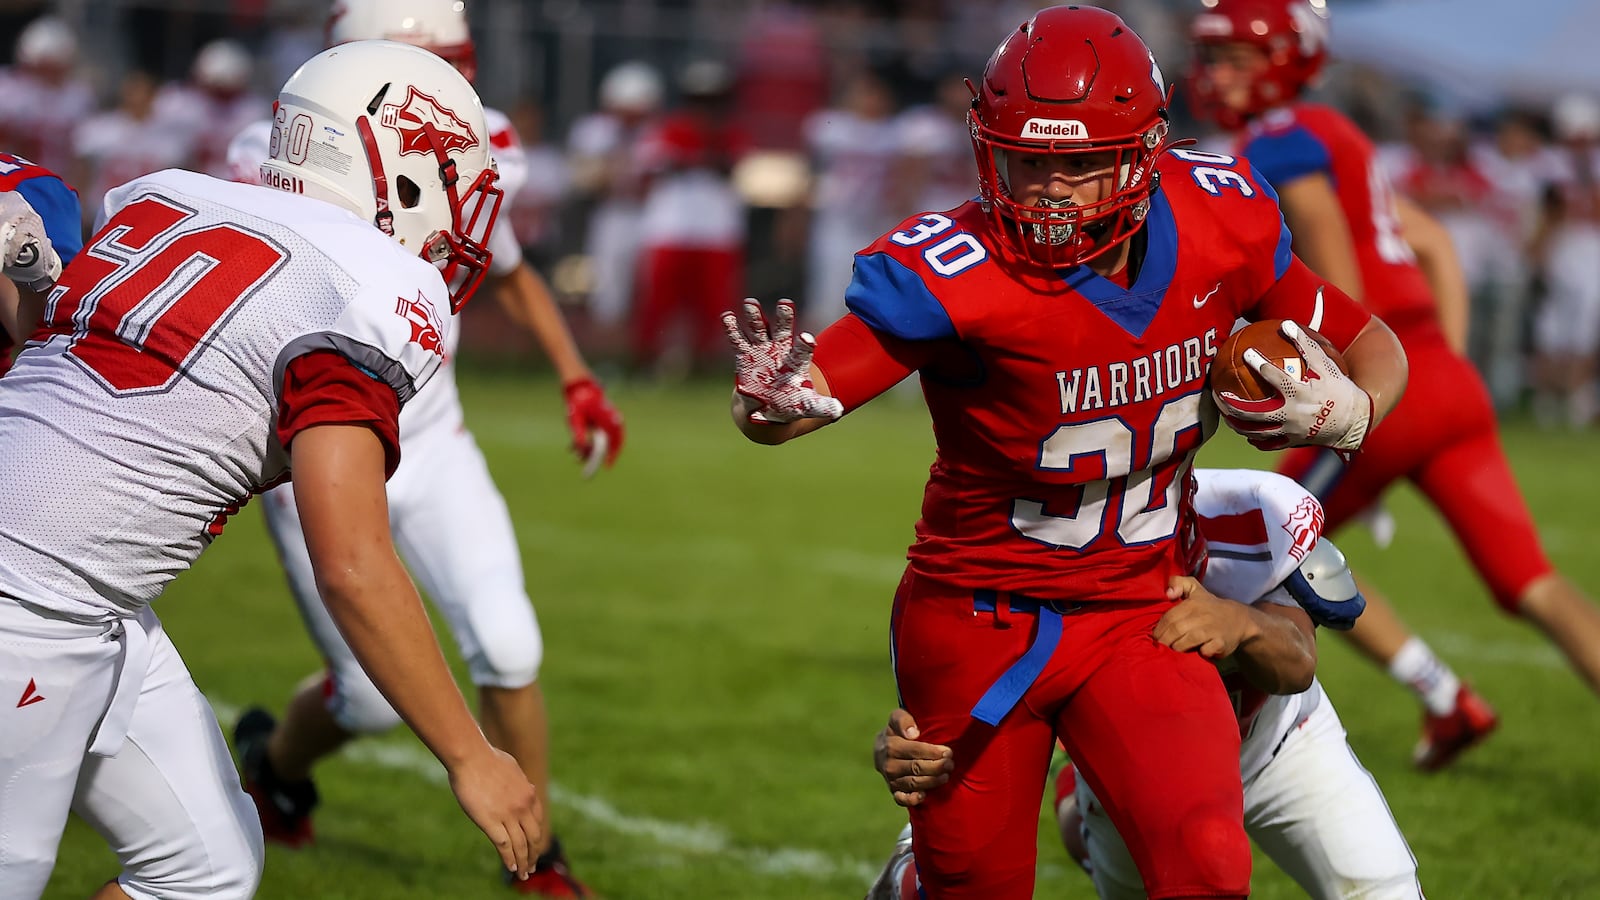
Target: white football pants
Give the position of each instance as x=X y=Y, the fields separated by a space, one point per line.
x=166 y=798
x=1313 y=809
x=452 y=528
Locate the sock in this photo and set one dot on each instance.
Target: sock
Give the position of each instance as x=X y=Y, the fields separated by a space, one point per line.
x=1435 y=684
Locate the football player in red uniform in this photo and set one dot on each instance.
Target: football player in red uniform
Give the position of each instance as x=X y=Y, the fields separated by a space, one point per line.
x=1063 y=325
x=1255 y=59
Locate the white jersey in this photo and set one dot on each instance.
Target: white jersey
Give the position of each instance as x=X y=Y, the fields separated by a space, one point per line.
x=147 y=412
x=1258 y=528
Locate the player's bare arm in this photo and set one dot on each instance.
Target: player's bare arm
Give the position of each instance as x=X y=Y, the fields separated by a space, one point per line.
x=910 y=767
x=1378 y=366
x=339 y=480
x=1321 y=233
x=596 y=426
x=778 y=394
x=1274 y=646
x=1436 y=255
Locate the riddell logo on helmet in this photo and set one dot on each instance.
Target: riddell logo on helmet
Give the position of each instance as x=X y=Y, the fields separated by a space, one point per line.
x=1068 y=129
x=411 y=118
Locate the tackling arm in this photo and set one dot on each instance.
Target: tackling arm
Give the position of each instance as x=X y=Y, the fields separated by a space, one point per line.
x=1273 y=645
x=1436 y=255
x=339 y=478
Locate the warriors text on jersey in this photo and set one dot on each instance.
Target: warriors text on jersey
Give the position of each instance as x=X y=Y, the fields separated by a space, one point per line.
x=147 y=407
x=1067 y=408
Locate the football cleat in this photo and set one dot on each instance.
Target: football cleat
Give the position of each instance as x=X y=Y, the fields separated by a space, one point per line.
x=284 y=806
x=1446 y=737
x=551 y=877
x=899 y=876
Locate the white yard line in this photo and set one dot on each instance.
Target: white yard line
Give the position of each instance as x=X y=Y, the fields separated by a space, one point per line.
x=684 y=838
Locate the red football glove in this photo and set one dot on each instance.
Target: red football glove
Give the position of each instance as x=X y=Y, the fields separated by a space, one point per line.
x=772 y=372
x=595 y=424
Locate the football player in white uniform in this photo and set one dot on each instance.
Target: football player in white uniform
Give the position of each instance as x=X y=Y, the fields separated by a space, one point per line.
x=449 y=521
x=211 y=340
x=1309 y=804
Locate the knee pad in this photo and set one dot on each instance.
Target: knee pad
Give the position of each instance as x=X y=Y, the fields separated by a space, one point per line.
x=213 y=873
x=357 y=704
x=506 y=646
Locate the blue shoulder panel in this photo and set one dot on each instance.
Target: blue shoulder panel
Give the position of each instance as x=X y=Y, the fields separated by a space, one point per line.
x=58 y=206
x=1283 y=156
x=893 y=299
x=1285 y=251
x=1135 y=308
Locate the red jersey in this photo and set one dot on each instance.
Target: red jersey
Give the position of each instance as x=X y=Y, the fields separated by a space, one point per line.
x=1308 y=138
x=1067 y=409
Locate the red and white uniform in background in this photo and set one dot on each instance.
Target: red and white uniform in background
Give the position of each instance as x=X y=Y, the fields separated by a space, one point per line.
x=165 y=411
x=612 y=244
x=449 y=521
x=210 y=122
x=37 y=117
x=117 y=148
x=1568 y=320
x=941 y=140
x=1466 y=202
x=1308 y=803
x=692 y=234
x=853 y=157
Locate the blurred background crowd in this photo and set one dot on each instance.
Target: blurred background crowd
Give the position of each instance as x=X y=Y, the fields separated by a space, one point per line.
x=774 y=138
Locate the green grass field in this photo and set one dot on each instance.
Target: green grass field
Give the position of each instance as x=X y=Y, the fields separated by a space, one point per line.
x=715 y=619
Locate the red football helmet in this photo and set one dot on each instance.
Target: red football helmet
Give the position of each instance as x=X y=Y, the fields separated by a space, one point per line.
x=1293 y=34
x=1072 y=80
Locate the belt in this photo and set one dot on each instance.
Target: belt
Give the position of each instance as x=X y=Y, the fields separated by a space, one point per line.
x=1008 y=689
x=134 y=661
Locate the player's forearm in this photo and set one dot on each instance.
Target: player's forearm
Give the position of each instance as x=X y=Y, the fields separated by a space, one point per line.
x=1280 y=656
x=1377 y=363
x=529 y=300
x=381 y=617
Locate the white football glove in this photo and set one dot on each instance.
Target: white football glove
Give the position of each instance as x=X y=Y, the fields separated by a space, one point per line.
x=26 y=256
x=772 y=372
x=1325 y=408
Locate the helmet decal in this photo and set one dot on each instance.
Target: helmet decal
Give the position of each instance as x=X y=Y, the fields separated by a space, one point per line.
x=412 y=118
x=421 y=316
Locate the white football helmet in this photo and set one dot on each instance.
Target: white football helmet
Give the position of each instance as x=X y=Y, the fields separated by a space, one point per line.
x=396 y=135
x=438 y=26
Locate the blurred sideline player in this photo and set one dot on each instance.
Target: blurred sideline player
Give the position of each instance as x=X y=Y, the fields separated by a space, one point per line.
x=1254 y=59
x=449 y=521
x=1309 y=804
x=1063 y=327
x=56 y=205
x=269 y=345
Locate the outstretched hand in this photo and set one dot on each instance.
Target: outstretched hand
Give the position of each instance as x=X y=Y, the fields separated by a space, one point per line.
x=596 y=426
x=772 y=368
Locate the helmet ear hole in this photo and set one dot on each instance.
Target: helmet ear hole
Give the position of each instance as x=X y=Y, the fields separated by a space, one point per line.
x=408 y=192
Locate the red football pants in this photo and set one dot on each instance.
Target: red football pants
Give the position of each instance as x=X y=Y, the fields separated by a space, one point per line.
x=1443 y=436
x=691 y=285
x=1149 y=728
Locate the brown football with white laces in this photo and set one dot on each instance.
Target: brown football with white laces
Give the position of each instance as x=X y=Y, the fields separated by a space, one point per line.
x=1231 y=374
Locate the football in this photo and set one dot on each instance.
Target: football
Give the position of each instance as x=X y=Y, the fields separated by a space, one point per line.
x=1230 y=373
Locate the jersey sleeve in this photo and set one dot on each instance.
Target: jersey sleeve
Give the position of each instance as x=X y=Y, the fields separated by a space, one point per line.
x=1286 y=153
x=1258 y=527
x=859 y=362
x=396 y=327
x=326 y=388
x=890 y=297
x=57 y=204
